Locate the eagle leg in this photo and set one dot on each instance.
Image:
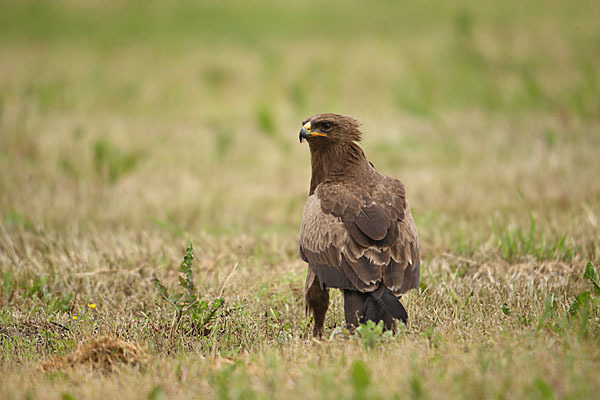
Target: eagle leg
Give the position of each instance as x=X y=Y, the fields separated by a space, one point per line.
x=317 y=302
x=354 y=308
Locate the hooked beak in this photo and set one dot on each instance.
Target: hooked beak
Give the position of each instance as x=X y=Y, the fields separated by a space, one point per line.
x=303 y=134
x=306 y=133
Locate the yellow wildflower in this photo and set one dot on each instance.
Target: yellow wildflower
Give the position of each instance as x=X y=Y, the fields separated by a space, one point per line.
x=92 y=306
x=75 y=317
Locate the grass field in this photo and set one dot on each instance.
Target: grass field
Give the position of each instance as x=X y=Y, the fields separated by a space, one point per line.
x=129 y=130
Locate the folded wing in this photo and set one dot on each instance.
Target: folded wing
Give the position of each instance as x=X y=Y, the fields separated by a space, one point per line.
x=355 y=238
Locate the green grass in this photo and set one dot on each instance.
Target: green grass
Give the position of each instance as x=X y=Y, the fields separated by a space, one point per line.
x=130 y=129
x=515 y=243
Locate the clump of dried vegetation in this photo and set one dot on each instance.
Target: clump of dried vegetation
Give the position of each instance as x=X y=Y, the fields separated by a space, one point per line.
x=127 y=132
x=103 y=354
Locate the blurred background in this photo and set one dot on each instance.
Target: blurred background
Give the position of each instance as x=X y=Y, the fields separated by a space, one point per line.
x=130 y=128
x=183 y=117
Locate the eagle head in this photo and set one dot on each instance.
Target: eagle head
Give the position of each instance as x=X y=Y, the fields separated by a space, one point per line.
x=330 y=128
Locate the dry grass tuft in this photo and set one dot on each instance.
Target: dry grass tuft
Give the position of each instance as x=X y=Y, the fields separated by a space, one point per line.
x=31 y=330
x=103 y=354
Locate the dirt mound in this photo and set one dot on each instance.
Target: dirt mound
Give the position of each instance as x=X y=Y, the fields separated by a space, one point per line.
x=103 y=354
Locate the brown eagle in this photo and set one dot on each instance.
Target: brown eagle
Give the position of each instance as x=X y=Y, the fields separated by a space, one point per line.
x=357 y=232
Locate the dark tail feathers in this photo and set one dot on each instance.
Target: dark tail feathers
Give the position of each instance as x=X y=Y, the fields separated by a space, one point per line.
x=390 y=304
x=380 y=305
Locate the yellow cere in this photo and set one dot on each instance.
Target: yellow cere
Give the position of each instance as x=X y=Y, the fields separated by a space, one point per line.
x=307 y=126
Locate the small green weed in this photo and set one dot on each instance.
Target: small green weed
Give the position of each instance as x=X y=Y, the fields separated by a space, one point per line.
x=579 y=313
x=541 y=389
x=157 y=393
x=198 y=311
x=371 y=334
x=591 y=275
x=359 y=379
x=231 y=381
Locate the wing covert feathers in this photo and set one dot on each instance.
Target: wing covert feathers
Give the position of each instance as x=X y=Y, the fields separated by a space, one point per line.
x=357 y=238
x=372 y=221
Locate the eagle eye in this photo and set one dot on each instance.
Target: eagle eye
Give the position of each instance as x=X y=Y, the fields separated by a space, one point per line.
x=326 y=126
